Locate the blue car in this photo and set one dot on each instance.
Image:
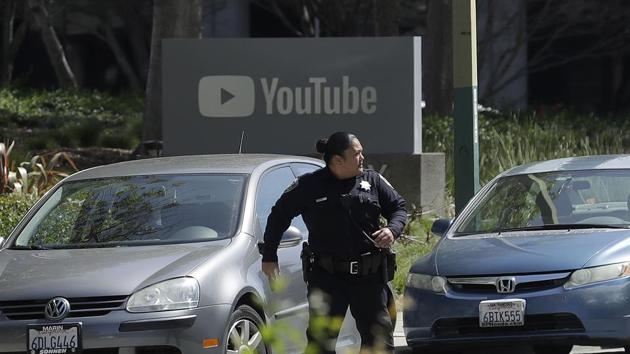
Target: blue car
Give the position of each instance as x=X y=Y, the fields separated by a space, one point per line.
x=540 y=256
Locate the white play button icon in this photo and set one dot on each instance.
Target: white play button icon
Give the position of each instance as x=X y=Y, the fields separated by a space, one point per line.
x=226 y=96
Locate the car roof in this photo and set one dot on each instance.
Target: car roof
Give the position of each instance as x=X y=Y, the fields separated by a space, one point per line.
x=595 y=162
x=191 y=164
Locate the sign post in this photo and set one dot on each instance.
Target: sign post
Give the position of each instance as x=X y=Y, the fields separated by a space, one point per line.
x=466 y=149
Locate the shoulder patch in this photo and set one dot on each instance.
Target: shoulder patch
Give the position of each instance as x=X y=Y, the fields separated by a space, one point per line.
x=292 y=186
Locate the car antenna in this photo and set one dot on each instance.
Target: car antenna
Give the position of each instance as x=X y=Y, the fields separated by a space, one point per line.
x=240 y=145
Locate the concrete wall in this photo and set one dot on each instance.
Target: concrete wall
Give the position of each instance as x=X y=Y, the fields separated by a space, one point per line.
x=420 y=179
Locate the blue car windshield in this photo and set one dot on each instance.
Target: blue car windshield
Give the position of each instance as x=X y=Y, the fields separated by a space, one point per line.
x=575 y=199
x=136 y=210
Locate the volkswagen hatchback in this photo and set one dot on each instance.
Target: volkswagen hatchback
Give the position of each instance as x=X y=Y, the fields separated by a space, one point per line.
x=155 y=256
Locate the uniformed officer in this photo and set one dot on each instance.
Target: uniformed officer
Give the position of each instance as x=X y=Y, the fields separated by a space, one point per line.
x=348 y=261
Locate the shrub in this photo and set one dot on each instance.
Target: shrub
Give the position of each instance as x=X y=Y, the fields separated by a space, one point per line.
x=508 y=140
x=34 y=176
x=48 y=120
x=415 y=242
x=12 y=208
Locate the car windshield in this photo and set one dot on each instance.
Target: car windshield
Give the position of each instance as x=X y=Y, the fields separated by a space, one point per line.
x=552 y=200
x=136 y=210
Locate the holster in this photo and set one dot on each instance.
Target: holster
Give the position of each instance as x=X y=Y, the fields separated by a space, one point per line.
x=389 y=265
x=308 y=258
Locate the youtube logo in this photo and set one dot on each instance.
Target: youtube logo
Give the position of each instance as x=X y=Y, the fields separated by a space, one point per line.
x=226 y=96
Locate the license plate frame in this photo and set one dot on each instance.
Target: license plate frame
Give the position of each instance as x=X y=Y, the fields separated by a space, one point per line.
x=502 y=313
x=54 y=338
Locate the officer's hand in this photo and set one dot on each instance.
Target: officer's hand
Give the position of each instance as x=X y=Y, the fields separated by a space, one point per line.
x=271 y=270
x=383 y=238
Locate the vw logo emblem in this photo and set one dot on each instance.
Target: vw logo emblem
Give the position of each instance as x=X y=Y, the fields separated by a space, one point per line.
x=506 y=285
x=57 y=309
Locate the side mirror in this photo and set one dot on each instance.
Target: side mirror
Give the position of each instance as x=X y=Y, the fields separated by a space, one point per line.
x=291 y=237
x=440 y=226
x=1 y=241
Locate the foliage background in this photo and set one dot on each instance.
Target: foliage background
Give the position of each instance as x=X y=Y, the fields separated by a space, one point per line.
x=44 y=120
x=12 y=208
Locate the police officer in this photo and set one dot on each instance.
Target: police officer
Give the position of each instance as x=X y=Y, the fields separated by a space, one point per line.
x=347 y=260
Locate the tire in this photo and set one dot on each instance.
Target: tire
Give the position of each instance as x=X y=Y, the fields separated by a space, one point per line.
x=553 y=349
x=243 y=335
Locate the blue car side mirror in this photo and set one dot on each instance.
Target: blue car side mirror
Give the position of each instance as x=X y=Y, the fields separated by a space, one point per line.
x=440 y=226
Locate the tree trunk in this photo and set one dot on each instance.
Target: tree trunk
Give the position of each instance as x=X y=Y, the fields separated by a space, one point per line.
x=6 y=64
x=55 y=51
x=11 y=40
x=137 y=37
x=225 y=18
x=437 y=58
x=121 y=58
x=171 y=19
x=386 y=17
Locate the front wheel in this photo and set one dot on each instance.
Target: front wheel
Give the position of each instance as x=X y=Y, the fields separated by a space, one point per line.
x=244 y=335
x=553 y=349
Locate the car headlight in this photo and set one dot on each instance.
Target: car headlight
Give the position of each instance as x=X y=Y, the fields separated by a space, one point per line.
x=426 y=282
x=174 y=294
x=596 y=274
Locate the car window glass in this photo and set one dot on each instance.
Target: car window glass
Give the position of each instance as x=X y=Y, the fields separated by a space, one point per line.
x=302 y=168
x=138 y=209
x=271 y=187
x=598 y=197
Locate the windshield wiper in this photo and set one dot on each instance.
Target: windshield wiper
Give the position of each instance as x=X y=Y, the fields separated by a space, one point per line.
x=562 y=227
x=94 y=245
x=544 y=227
x=29 y=247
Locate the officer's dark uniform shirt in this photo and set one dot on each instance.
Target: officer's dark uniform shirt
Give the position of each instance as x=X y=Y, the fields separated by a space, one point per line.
x=320 y=198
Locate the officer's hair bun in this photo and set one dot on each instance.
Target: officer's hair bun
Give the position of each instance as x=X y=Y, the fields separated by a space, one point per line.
x=321 y=145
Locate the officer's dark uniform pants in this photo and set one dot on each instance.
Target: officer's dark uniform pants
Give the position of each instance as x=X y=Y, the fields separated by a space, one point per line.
x=329 y=296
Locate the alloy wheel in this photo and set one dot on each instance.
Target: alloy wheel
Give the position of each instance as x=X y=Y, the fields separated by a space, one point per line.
x=244 y=337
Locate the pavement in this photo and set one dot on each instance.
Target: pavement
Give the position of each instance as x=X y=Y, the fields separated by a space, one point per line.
x=401 y=344
x=399 y=335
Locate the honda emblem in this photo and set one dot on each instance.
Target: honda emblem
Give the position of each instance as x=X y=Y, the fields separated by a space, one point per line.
x=506 y=285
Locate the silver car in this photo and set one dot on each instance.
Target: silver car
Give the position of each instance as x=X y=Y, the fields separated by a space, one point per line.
x=156 y=256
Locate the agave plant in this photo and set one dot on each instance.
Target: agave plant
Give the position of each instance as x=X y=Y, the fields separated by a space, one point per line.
x=5 y=153
x=31 y=177
x=38 y=175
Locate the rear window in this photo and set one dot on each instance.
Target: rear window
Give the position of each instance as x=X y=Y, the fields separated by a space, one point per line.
x=136 y=210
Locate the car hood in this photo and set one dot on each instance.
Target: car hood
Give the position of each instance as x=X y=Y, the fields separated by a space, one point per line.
x=42 y=274
x=530 y=252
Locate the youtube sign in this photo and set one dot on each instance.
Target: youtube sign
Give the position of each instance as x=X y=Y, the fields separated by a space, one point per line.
x=279 y=95
x=226 y=96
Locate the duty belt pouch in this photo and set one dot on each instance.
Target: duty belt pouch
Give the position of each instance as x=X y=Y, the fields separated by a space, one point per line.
x=308 y=258
x=389 y=265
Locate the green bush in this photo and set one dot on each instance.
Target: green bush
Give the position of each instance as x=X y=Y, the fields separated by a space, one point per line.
x=45 y=120
x=415 y=243
x=508 y=140
x=12 y=208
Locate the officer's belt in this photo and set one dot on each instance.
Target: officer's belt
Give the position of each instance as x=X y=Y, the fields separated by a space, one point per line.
x=368 y=263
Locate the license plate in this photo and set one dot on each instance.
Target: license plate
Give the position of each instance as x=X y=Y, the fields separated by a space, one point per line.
x=502 y=313
x=54 y=338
